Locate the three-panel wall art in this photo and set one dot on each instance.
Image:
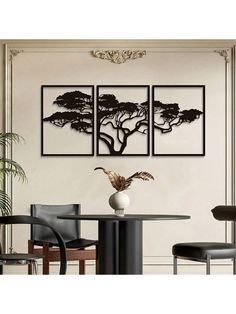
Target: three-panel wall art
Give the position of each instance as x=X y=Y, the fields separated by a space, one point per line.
x=123 y=120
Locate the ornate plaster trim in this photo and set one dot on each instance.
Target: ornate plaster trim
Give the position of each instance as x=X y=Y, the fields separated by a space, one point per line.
x=223 y=53
x=119 y=56
x=14 y=53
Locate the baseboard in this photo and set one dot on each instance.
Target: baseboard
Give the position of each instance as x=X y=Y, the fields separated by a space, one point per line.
x=153 y=265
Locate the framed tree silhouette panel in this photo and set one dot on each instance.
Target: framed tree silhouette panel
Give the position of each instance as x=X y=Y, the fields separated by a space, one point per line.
x=178 y=120
x=67 y=123
x=123 y=120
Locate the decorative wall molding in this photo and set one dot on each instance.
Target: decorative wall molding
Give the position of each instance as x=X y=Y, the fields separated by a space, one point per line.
x=14 y=53
x=119 y=56
x=223 y=53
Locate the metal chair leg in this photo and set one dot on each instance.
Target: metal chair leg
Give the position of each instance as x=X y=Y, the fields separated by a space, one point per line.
x=175 y=265
x=234 y=266
x=35 y=268
x=208 y=265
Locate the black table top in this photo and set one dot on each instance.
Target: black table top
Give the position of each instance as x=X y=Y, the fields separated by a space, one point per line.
x=124 y=218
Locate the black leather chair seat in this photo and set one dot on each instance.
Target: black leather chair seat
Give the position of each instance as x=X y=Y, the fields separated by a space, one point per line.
x=200 y=250
x=80 y=243
x=73 y=244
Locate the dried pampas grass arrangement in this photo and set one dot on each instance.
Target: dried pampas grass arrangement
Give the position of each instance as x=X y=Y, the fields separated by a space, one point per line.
x=120 y=183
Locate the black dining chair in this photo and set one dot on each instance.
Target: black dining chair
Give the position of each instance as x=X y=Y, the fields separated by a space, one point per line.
x=69 y=230
x=206 y=251
x=31 y=259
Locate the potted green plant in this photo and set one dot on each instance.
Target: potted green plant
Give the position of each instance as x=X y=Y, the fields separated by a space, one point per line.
x=8 y=167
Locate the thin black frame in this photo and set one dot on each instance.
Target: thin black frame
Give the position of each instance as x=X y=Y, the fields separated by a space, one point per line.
x=148 y=118
x=93 y=123
x=204 y=119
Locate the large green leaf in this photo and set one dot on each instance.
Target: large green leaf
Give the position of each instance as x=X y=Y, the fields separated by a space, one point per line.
x=8 y=138
x=5 y=204
x=10 y=167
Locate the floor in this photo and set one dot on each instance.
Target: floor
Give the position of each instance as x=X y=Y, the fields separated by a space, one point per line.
x=190 y=269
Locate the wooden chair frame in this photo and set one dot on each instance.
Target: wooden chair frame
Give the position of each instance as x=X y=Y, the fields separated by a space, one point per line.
x=51 y=254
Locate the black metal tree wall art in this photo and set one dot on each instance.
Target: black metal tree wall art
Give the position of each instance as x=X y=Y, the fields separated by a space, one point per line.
x=122 y=125
x=170 y=115
x=73 y=109
x=178 y=120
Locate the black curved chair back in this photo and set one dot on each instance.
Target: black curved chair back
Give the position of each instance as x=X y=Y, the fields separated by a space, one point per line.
x=68 y=229
x=23 y=219
x=227 y=213
x=224 y=212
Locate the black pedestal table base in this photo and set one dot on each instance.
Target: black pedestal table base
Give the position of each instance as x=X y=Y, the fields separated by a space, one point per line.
x=108 y=247
x=120 y=247
x=131 y=247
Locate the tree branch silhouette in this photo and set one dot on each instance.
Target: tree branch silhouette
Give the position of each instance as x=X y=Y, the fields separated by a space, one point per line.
x=79 y=112
x=120 y=117
x=166 y=116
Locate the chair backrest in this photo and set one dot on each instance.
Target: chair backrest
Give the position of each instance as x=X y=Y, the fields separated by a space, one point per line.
x=22 y=219
x=69 y=229
x=224 y=212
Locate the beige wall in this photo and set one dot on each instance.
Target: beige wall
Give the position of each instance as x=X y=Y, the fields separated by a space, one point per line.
x=183 y=185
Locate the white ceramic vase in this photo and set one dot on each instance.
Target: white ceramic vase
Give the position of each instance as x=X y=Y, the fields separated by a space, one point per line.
x=119 y=201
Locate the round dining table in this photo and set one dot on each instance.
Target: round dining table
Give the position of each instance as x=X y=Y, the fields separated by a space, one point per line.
x=120 y=240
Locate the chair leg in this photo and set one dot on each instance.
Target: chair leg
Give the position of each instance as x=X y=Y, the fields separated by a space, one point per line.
x=97 y=262
x=45 y=259
x=234 y=266
x=82 y=267
x=30 y=251
x=32 y=267
x=175 y=265
x=35 y=267
x=208 y=265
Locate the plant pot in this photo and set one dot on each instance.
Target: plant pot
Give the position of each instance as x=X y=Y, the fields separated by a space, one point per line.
x=119 y=201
